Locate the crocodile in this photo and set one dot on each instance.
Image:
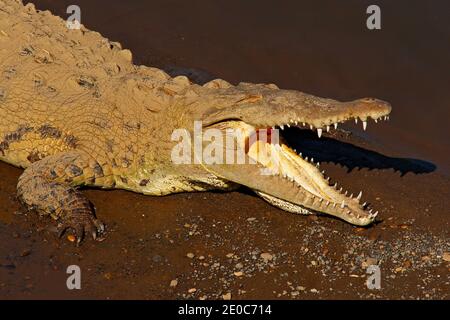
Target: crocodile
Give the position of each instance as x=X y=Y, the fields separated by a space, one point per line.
x=76 y=111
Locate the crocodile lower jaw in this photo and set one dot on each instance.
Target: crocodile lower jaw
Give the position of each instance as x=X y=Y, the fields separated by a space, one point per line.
x=302 y=175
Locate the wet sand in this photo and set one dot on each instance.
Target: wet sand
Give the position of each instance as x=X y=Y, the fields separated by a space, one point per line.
x=320 y=48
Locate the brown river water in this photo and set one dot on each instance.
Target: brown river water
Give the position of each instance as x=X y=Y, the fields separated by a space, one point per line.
x=318 y=47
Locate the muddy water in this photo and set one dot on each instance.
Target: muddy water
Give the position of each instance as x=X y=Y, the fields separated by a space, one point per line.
x=317 y=47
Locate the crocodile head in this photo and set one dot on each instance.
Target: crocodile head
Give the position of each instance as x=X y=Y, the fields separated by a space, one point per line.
x=271 y=168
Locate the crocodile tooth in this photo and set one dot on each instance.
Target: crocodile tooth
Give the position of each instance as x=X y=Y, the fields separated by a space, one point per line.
x=306 y=158
x=310 y=126
x=335 y=125
x=345 y=192
x=340 y=190
x=327 y=203
x=319 y=132
x=328 y=128
x=312 y=160
x=359 y=196
x=343 y=204
x=376 y=120
x=288 y=125
x=364 y=125
x=334 y=205
x=356 y=120
x=303 y=124
x=296 y=122
x=282 y=127
x=351 y=196
x=364 y=204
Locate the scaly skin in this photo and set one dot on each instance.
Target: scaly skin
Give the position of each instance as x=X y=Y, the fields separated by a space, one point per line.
x=75 y=111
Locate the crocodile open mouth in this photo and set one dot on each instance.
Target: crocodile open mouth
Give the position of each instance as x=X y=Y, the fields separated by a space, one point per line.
x=293 y=182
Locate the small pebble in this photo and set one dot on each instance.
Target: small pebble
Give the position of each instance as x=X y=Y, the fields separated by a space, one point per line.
x=157 y=258
x=25 y=253
x=174 y=283
x=266 y=256
x=227 y=296
x=446 y=256
x=407 y=264
x=369 y=262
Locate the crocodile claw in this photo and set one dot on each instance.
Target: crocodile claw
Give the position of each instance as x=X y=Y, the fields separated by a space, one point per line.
x=82 y=226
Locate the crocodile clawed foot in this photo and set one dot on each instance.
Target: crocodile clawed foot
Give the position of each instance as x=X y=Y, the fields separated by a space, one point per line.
x=82 y=225
x=48 y=187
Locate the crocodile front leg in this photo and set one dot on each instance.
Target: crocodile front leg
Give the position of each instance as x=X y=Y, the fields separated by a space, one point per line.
x=49 y=185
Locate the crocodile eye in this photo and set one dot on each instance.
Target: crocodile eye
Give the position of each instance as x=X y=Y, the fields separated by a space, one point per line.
x=368 y=99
